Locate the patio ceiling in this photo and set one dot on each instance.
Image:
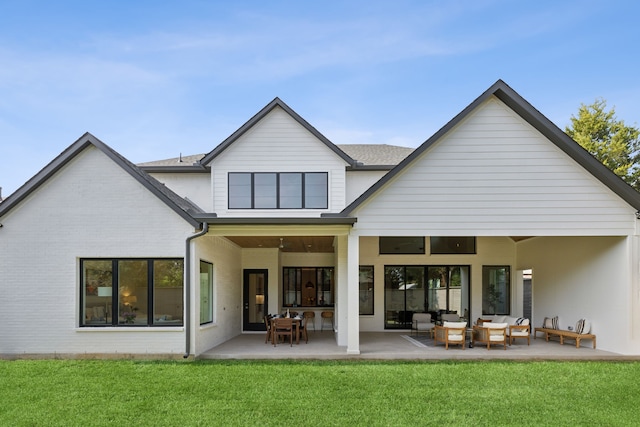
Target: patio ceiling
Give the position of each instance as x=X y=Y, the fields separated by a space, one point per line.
x=323 y=244
x=316 y=244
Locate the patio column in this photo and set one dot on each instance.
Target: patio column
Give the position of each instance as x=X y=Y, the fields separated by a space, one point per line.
x=347 y=311
x=353 y=304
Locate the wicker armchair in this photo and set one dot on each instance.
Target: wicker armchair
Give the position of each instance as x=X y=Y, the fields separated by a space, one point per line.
x=450 y=333
x=490 y=333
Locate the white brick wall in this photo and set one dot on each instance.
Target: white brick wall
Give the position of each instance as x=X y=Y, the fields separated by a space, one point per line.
x=91 y=208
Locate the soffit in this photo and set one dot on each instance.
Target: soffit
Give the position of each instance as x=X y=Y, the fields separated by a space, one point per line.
x=322 y=244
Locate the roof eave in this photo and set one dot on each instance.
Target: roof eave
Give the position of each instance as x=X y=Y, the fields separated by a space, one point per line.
x=176 y=169
x=213 y=219
x=70 y=153
x=525 y=110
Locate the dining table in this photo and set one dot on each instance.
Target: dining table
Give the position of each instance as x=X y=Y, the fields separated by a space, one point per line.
x=297 y=324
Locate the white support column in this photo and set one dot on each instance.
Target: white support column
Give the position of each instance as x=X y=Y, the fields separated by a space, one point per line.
x=342 y=279
x=353 y=305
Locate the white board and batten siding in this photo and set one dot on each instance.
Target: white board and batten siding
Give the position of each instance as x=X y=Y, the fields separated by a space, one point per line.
x=494 y=174
x=278 y=143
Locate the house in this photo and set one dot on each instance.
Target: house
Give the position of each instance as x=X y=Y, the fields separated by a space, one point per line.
x=101 y=256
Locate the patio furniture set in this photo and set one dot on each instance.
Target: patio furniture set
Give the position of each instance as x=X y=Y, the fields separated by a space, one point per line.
x=292 y=324
x=581 y=332
x=496 y=330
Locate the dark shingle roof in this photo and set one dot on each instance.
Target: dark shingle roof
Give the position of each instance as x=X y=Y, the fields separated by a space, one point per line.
x=175 y=161
x=376 y=154
x=365 y=154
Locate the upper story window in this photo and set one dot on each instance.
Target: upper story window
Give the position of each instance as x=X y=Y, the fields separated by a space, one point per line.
x=278 y=190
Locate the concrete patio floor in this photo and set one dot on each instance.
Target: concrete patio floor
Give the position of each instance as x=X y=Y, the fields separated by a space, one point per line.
x=397 y=346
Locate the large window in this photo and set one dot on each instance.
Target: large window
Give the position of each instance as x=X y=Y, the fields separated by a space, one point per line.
x=420 y=289
x=496 y=289
x=131 y=292
x=307 y=286
x=272 y=190
x=206 y=292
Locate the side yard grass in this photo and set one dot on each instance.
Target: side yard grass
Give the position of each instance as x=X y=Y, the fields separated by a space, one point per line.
x=317 y=393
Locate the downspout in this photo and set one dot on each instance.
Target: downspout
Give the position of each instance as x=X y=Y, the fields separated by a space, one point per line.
x=187 y=279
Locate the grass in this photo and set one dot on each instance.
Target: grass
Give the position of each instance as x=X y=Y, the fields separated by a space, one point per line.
x=318 y=393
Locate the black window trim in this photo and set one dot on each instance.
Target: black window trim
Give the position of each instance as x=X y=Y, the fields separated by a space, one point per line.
x=303 y=193
x=115 y=291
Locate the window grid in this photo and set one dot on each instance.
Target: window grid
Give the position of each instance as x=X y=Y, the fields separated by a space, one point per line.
x=278 y=190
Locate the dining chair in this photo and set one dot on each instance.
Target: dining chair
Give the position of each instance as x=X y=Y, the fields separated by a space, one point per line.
x=282 y=327
x=302 y=329
x=267 y=324
x=310 y=316
x=329 y=316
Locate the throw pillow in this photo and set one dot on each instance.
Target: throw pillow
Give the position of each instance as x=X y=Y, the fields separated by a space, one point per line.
x=519 y=320
x=583 y=326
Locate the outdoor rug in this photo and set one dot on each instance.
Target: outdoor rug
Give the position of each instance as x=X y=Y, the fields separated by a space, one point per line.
x=419 y=340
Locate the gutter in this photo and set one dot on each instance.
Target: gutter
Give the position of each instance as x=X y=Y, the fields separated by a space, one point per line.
x=187 y=279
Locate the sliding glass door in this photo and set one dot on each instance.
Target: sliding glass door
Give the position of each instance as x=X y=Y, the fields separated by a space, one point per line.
x=421 y=289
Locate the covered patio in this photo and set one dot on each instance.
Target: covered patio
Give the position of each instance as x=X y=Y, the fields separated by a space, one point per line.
x=399 y=346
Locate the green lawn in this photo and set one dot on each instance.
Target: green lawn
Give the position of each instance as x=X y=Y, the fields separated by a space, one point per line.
x=341 y=393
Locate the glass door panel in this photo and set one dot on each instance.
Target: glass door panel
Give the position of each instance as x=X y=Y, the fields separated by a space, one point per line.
x=255 y=299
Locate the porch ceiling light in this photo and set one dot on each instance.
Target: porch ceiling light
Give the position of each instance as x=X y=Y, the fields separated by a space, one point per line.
x=309 y=285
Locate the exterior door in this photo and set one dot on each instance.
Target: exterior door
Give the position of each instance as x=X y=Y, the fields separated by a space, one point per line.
x=255 y=300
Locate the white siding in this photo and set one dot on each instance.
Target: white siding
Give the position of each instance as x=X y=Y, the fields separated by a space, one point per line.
x=278 y=144
x=494 y=174
x=194 y=186
x=359 y=181
x=91 y=208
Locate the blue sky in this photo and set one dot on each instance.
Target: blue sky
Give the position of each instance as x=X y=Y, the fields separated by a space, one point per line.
x=154 y=79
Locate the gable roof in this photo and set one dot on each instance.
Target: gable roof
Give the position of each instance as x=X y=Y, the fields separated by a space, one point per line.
x=367 y=156
x=277 y=102
x=520 y=106
x=181 y=206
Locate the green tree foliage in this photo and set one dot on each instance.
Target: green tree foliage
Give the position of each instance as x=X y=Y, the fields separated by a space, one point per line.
x=608 y=139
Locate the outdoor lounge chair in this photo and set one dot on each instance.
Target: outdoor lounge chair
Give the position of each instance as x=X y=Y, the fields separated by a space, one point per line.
x=422 y=322
x=450 y=333
x=490 y=333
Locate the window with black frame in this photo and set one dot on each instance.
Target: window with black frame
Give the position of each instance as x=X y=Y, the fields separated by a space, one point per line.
x=131 y=292
x=452 y=245
x=307 y=287
x=278 y=190
x=403 y=245
x=366 y=290
x=496 y=290
x=206 y=292
x=431 y=289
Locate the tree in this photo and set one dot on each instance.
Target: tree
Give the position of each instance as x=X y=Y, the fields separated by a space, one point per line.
x=608 y=139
